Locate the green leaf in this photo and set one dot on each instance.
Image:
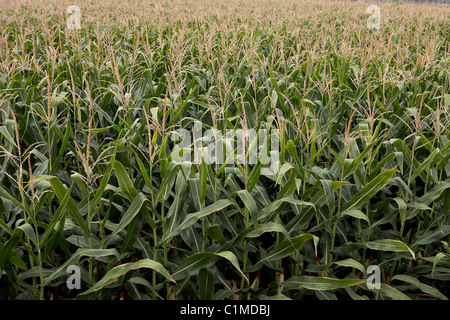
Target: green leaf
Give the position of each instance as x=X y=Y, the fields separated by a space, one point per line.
x=278 y=296
x=118 y=271
x=62 y=149
x=352 y=264
x=6 y=252
x=29 y=232
x=203 y=181
x=193 y=263
x=268 y=227
x=125 y=183
x=369 y=190
x=71 y=207
x=104 y=182
x=201 y=260
x=438 y=257
x=234 y=261
x=389 y=245
x=284 y=249
x=431 y=236
x=388 y=291
x=56 y=217
x=358 y=214
x=73 y=260
x=132 y=211
x=205 y=284
x=127 y=187
x=434 y=193
x=320 y=283
x=269 y=211
x=215 y=233
x=423 y=287
x=250 y=204
x=425 y=164
x=192 y=218
x=6 y=194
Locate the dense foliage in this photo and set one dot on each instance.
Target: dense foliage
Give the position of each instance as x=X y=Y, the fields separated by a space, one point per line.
x=87 y=170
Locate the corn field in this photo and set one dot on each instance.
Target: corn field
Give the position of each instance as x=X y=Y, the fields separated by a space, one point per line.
x=358 y=121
